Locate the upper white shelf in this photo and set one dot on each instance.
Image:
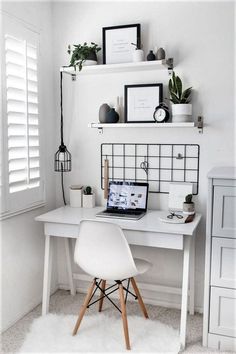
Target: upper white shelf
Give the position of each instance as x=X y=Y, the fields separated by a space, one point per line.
x=116 y=68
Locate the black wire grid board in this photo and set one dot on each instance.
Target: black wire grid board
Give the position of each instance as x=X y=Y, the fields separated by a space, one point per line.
x=157 y=164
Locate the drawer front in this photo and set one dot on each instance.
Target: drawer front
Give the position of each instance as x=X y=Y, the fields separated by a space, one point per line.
x=223 y=262
x=224 y=211
x=154 y=239
x=221 y=342
x=223 y=311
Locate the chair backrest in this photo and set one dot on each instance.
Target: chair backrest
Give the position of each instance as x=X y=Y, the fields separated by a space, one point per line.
x=102 y=251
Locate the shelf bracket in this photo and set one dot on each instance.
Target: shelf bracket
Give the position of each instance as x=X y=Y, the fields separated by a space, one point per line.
x=200 y=124
x=170 y=63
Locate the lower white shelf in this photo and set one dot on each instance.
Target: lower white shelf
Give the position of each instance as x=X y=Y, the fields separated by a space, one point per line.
x=142 y=125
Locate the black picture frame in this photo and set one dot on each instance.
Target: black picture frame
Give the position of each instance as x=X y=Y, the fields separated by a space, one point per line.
x=147 y=112
x=136 y=39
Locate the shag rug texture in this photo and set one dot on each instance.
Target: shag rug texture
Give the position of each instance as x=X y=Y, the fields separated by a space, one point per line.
x=99 y=333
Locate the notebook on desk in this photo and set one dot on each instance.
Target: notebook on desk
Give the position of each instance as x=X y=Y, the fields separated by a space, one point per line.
x=126 y=200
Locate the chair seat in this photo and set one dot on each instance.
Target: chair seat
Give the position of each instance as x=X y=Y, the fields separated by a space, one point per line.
x=142 y=265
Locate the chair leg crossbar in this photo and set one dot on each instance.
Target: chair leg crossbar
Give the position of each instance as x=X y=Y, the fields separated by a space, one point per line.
x=106 y=293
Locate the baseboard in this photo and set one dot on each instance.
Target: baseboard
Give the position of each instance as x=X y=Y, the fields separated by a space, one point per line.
x=30 y=306
x=151 y=296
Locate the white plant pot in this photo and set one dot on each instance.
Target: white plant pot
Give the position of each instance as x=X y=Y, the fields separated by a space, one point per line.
x=89 y=62
x=181 y=112
x=88 y=200
x=138 y=55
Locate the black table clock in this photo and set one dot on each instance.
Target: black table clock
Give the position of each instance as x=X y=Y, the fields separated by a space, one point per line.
x=161 y=113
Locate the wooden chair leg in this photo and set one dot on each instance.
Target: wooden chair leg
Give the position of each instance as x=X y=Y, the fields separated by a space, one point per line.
x=124 y=316
x=84 y=307
x=101 y=296
x=140 y=300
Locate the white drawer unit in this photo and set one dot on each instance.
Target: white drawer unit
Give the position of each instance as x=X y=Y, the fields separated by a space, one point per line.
x=221 y=342
x=223 y=311
x=219 y=321
x=223 y=262
x=224 y=215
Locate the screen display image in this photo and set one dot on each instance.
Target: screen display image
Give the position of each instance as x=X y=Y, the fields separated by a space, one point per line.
x=127 y=196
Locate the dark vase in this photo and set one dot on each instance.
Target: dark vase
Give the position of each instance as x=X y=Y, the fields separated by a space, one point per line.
x=161 y=54
x=92 y=56
x=151 y=56
x=112 y=116
x=103 y=110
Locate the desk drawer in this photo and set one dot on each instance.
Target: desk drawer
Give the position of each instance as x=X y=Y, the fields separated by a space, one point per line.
x=223 y=311
x=223 y=262
x=154 y=239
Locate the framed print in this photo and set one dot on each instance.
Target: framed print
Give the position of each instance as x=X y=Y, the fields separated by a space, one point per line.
x=141 y=101
x=117 y=47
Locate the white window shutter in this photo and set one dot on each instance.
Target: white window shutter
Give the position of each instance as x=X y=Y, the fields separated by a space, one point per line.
x=23 y=160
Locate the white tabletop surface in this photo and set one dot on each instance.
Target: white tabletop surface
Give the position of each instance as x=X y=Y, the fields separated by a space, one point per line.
x=150 y=222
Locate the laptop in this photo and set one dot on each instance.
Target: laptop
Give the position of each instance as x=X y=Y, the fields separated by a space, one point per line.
x=126 y=200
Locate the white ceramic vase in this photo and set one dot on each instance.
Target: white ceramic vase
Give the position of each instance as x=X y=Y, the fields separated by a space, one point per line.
x=88 y=200
x=181 y=113
x=138 y=55
x=89 y=62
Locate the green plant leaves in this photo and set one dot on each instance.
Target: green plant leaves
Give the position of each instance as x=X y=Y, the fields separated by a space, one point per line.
x=186 y=95
x=178 y=83
x=177 y=95
x=81 y=52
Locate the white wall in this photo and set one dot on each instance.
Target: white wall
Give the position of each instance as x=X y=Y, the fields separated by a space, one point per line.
x=199 y=35
x=22 y=237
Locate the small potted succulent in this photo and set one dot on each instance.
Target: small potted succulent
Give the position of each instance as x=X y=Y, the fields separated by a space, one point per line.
x=83 y=54
x=181 y=106
x=138 y=53
x=188 y=205
x=88 y=198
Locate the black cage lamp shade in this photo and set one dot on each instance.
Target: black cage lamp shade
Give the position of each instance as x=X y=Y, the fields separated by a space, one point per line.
x=62 y=160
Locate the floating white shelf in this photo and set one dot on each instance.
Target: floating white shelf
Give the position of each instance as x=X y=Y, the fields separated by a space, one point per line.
x=116 y=68
x=141 y=125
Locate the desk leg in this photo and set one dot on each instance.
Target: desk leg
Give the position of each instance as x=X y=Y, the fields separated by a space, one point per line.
x=69 y=266
x=184 y=304
x=47 y=274
x=192 y=276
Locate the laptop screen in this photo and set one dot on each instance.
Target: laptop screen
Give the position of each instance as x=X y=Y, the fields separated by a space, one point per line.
x=127 y=196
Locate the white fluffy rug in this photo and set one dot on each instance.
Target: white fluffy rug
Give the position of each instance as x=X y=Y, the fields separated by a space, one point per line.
x=99 y=333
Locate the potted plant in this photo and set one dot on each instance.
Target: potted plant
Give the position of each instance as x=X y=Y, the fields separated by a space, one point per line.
x=181 y=106
x=88 y=198
x=83 y=54
x=188 y=205
x=138 y=54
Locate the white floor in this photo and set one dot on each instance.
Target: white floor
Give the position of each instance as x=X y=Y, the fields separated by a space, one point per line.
x=62 y=302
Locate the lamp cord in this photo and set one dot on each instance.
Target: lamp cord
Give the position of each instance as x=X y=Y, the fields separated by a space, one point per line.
x=62 y=187
x=62 y=142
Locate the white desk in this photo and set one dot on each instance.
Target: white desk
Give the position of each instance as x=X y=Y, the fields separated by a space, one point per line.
x=148 y=231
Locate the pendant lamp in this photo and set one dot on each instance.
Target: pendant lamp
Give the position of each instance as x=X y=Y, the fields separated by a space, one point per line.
x=62 y=160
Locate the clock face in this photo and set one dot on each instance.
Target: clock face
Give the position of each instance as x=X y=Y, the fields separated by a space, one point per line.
x=160 y=115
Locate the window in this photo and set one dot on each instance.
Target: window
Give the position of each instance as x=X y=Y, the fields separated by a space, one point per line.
x=21 y=117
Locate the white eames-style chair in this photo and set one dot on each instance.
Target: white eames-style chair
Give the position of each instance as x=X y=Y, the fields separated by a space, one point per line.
x=103 y=252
